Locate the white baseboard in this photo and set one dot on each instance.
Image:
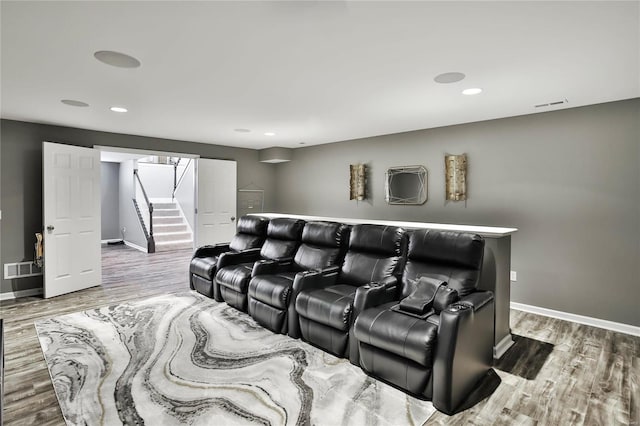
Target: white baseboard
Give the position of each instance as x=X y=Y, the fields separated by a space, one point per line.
x=110 y=240
x=580 y=319
x=21 y=293
x=135 y=246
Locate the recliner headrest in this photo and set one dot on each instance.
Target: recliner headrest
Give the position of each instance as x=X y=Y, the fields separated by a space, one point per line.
x=380 y=239
x=285 y=229
x=458 y=248
x=327 y=234
x=255 y=225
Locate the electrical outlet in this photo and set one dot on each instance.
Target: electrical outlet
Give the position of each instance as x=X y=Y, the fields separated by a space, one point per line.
x=514 y=276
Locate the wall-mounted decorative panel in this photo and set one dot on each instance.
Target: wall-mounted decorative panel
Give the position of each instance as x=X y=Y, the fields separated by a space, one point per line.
x=406 y=185
x=455 y=167
x=357 y=182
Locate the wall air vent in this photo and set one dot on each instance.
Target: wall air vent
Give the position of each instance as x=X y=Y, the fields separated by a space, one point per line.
x=564 y=101
x=21 y=270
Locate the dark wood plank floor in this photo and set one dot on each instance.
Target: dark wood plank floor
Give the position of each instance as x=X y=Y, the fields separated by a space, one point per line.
x=559 y=373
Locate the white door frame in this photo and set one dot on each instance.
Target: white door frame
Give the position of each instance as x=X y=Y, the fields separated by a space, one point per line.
x=144 y=152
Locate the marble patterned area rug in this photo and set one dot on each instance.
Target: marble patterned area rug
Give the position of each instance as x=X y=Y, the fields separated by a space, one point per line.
x=186 y=359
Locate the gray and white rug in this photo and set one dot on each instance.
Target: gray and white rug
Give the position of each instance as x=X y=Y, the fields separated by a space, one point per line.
x=186 y=359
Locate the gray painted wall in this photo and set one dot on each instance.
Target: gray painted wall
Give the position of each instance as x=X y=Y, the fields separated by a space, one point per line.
x=569 y=180
x=110 y=202
x=157 y=179
x=21 y=178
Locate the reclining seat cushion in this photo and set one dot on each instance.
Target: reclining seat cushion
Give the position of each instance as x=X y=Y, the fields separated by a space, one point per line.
x=235 y=277
x=452 y=257
x=254 y=225
x=331 y=306
x=241 y=242
x=322 y=245
x=403 y=335
x=204 y=266
x=251 y=232
x=274 y=290
x=374 y=254
x=283 y=237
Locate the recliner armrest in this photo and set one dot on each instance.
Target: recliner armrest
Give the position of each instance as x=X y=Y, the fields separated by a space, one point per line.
x=308 y=281
x=375 y=294
x=211 y=251
x=323 y=277
x=235 y=258
x=477 y=300
x=272 y=266
x=330 y=271
x=315 y=279
x=464 y=351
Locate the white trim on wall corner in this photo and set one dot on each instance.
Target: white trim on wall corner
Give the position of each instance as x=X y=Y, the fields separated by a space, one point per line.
x=135 y=246
x=580 y=319
x=20 y=293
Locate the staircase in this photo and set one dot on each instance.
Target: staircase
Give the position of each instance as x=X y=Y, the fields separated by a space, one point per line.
x=170 y=229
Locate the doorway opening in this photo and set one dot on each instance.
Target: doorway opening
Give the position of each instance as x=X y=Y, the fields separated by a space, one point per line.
x=148 y=200
x=162 y=201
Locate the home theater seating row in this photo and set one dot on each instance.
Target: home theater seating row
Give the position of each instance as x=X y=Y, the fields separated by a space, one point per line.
x=401 y=304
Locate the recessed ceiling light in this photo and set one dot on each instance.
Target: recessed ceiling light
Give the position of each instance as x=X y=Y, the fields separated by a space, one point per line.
x=74 y=103
x=118 y=109
x=473 y=91
x=269 y=134
x=242 y=130
x=449 y=77
x=116 y=59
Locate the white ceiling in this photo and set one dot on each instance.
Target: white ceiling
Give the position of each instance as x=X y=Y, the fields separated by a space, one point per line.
x=313 y=72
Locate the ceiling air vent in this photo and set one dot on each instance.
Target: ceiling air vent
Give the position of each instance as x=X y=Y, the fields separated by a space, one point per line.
x=564 y=101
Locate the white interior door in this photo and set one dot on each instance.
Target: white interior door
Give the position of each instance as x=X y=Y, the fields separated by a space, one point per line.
x=71 y=217
x=216 y=201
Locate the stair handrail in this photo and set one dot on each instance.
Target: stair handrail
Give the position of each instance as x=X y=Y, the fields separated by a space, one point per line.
x=149 y=203
x=176 y=183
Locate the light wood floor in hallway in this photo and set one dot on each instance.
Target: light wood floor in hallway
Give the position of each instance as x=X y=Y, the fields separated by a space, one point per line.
x=559 y=373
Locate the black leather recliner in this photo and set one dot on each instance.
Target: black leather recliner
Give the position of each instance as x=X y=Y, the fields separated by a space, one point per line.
x=326 y=316
x=276 y=284
x=251 y=233
x=431 y=334
x=234 y=269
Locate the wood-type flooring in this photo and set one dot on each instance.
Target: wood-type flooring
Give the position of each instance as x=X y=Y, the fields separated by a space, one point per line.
x=558 y=373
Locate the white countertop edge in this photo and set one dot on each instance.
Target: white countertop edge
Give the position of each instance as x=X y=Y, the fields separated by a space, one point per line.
x=485 y=231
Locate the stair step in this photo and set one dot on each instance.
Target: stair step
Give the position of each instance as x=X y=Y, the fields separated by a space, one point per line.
x=165 y=206
x=165 y=212
x=166 y=220
x=169 y=227
x=174 y=245
x=171 y=236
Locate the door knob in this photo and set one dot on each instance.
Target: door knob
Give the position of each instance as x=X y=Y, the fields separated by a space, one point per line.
x=233 y=218
x=50 y=228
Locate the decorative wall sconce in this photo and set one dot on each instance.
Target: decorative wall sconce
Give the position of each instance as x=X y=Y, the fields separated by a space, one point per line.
x=456 y=177
x=357 y=182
